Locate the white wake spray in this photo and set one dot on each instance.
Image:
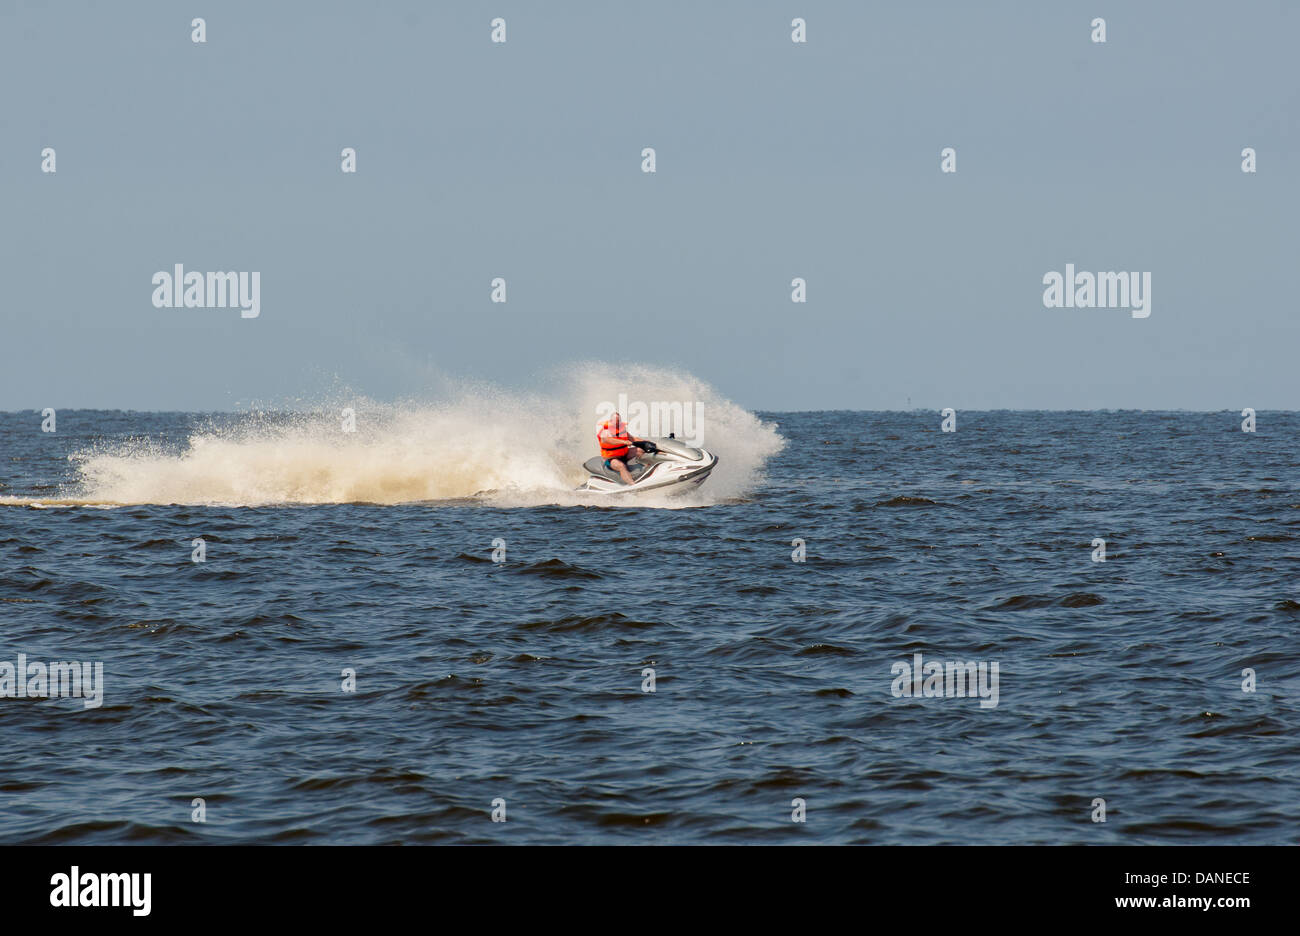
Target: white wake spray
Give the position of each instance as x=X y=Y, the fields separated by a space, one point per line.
x=507 y=448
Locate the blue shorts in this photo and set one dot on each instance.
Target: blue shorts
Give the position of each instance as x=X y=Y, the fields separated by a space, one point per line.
x=622 y=458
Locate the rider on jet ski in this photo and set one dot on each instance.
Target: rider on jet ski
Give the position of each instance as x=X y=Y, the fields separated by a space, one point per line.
x=616 y=446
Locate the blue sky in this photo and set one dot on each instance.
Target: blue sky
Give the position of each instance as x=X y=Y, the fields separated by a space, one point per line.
x=774 y=160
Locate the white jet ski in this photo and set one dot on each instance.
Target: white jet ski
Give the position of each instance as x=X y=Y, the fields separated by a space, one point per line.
x=667 y=464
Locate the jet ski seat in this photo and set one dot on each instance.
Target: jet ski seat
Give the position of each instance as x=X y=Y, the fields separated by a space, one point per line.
x=596 y=466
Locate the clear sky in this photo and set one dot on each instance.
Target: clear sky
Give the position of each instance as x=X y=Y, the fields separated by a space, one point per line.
x=775 y=160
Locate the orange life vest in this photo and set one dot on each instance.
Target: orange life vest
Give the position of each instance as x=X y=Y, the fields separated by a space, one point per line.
x=613 y=438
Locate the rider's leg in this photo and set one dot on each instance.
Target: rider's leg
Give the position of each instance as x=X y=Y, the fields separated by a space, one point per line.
x=618 y=465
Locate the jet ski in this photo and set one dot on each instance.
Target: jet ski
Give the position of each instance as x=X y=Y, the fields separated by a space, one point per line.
x=667 y=464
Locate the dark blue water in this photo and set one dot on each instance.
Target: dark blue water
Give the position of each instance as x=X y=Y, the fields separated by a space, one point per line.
x=522 y=680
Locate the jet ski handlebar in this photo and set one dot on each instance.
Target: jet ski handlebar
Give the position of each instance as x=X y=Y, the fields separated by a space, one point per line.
x=647 y=446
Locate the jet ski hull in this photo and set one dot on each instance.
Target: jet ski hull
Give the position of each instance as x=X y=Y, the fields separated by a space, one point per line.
x=675 y=468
